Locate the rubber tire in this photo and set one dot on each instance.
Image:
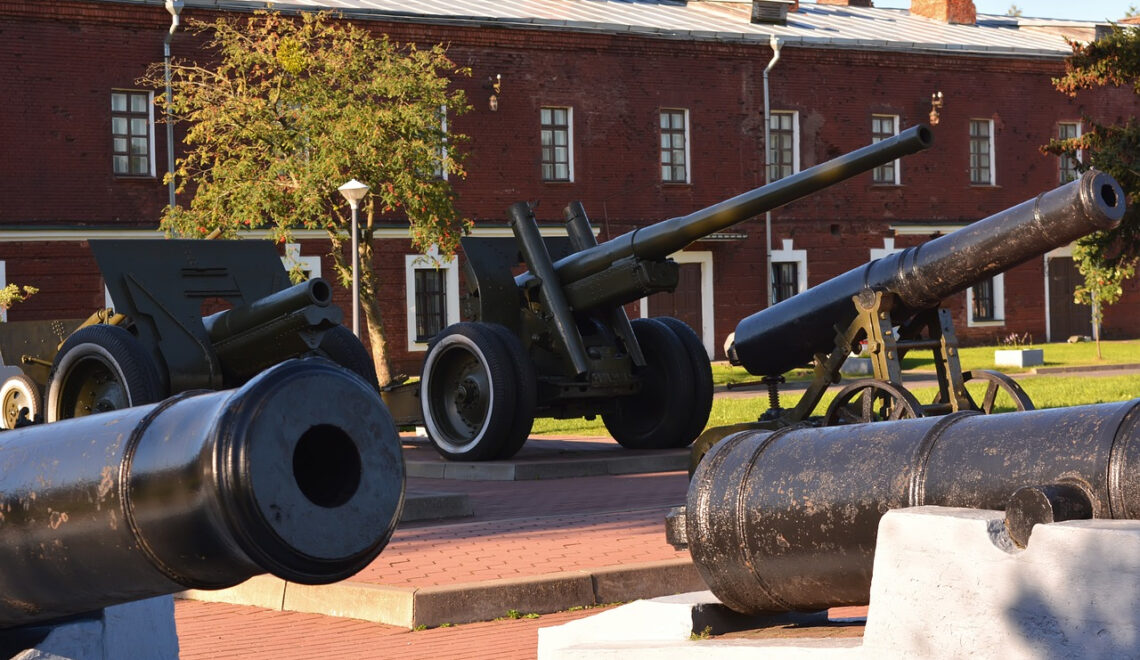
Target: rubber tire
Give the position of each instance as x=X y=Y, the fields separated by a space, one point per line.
x=111 y=349
x=526 y=391
x=701 y=376
x=656 y=416
x=24 y=393
x=341 y=346
x=472 y=352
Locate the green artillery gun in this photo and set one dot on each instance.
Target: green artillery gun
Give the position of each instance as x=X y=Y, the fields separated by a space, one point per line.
x=157 y=342
x=555 y=341
x=893 y=304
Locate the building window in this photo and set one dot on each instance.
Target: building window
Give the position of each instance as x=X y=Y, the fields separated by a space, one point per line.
x=441 y=162
x=985 y=302
x=1068 y=131
x=883 y=127
x=789 y=271
x=132 y=140
x=783 y=131
x=309 y=267
x=432 y=296
x=431 y=302
x=675 y=146
x=982 y=152
x=557 y=146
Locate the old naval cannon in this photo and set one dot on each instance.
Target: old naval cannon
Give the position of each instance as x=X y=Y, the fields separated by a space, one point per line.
x=156 y=342
x=555 y=340
x=298 y=473
x=893 y=304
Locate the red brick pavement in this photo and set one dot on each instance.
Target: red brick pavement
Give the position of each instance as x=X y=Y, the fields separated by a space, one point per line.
x=218 y=630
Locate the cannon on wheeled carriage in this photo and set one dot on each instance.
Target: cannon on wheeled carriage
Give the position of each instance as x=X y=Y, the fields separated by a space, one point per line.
x=156 y=341
x=893 y=304
x=555 y=341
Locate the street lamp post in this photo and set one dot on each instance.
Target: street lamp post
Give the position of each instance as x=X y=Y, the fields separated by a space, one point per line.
x=354 y=191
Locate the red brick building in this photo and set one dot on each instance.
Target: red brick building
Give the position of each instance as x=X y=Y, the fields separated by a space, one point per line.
x=613 y=81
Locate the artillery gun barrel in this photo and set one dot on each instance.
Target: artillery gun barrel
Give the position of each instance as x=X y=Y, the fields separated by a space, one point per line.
x=233 y=322
x=298 y=473
x=787 y=520
x=660 y=240
x=790 y=332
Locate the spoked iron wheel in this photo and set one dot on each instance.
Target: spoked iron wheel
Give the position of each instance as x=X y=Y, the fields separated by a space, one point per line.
x=98 y=369
x=872 y=401
x=468 y=392
x=1000 y=392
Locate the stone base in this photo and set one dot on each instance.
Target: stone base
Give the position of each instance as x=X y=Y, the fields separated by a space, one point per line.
x=144 y=629
x=948 y=583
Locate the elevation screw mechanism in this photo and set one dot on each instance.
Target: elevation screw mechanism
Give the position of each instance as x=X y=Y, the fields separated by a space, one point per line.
x=773 y=383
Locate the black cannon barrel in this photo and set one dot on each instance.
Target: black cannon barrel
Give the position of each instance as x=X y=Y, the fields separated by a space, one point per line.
x=787 y=520
x=659 y=240
x=789 y=333
x=297 y=473
x=232 y=322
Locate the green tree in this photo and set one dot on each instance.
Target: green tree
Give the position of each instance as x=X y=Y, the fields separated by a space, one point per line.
x=1106 y=258
x=289 y=109
x=1013 y=10
x=12 y=294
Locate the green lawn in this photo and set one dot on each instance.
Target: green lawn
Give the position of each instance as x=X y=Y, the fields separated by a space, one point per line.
x=1045 y=391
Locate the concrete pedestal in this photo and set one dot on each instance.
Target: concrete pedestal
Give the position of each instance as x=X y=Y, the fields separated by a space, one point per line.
x=144 y=629
x=948 y=583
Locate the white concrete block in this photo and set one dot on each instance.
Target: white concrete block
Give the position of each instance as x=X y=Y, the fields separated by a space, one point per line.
x=143 y=629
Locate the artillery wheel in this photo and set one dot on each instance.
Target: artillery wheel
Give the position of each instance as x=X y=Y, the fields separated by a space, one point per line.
x=526 y=390
x=467 y=393
x=701 y=405
x=872 y=401
x=98 y=369
x=996 y=383
x=659 y=416
x=19 y=392
x=341 y=346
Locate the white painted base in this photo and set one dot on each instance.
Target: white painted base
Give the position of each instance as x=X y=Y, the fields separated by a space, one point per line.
x=143 y=629
x=948 y=583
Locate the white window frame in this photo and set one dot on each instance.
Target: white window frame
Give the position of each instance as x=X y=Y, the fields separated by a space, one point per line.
x=310 y=265
x=795 y=141
x=1061 y=159
x=569 y=141
x=441 y=166
x=788 y=254
x=685 y=136
x=3 y=284
x=887 y=250
x=999 y=305
x=151 y=166
x=412 y=262
x=707 y=331
x=992 y=154
x=896 y=165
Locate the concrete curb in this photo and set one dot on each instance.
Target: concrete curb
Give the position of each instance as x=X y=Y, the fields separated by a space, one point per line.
x=1042 y=371
x=432 y=505
x=466 y=602
x=564 y=467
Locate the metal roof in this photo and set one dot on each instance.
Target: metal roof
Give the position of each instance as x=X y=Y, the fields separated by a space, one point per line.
x=818 y=26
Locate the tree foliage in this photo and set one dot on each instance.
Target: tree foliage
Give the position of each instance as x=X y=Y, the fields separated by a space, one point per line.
x=1106 y=258
x=12 y=294
x=289 y=109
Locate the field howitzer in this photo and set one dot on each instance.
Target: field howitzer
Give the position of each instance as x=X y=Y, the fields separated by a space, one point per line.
x=904 y=290
x=298 y=473
x=157 y=342
x=787 y=520
x=555 y=340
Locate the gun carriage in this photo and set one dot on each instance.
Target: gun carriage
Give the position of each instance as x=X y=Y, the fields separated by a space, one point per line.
x=555 y=340
x=155 y=342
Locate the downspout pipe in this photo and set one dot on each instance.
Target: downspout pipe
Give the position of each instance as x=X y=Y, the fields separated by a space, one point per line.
x=175 y=9
x=775 y=43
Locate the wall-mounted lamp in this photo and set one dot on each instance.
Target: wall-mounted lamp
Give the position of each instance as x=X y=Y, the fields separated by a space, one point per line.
x=935 y=107
x=495 y=86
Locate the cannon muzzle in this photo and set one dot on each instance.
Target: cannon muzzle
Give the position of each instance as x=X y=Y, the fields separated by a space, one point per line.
x=298 y=473
x=787 y=520
x=789 y=333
